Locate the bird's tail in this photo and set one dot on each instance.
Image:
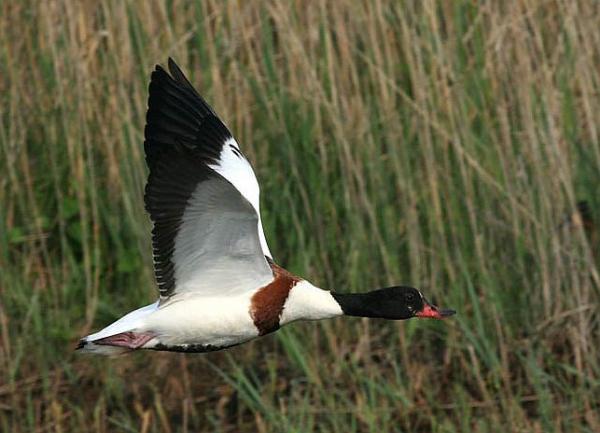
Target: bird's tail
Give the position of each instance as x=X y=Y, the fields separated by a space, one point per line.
x=120 y=336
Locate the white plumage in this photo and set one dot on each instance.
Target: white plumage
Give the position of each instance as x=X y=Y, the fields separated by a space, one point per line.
x=238 y=171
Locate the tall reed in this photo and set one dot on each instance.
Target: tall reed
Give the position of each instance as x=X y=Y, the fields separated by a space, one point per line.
x=439 y=144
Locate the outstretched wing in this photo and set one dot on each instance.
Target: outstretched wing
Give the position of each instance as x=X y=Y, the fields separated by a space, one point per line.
x=202 y=196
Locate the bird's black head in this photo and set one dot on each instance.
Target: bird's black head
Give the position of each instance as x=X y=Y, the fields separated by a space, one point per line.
x=395 y=303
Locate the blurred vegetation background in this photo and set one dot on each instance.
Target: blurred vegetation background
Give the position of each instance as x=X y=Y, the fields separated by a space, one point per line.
x=446 y=145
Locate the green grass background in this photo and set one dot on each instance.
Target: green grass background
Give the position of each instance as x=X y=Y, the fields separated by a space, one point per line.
x=438 y=144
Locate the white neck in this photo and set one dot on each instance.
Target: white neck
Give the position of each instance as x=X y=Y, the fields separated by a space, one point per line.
x=307 y=302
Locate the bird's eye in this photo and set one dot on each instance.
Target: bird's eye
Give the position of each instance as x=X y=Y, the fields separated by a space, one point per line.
x=409 y=297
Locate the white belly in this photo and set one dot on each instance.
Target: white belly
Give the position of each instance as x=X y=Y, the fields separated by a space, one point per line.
x=199 y=320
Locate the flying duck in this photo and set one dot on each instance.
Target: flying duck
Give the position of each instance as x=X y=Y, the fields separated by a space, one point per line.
x=219 y=285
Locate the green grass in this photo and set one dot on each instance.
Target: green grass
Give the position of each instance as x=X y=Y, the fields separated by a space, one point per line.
x=395 y=142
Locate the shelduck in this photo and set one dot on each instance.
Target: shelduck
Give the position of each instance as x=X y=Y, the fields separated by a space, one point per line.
x=219 y=285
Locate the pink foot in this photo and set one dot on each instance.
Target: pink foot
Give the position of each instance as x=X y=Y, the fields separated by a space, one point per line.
x=130 y=340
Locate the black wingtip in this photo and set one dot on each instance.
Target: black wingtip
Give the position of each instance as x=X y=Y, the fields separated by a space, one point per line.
x=174 y=71
x=178 y=114
x=177 y=73
x=172 y=65
x=81 y=344
x=179 y=76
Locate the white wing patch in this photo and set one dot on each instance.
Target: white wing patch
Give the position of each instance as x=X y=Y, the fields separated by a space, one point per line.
x=234 y=167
